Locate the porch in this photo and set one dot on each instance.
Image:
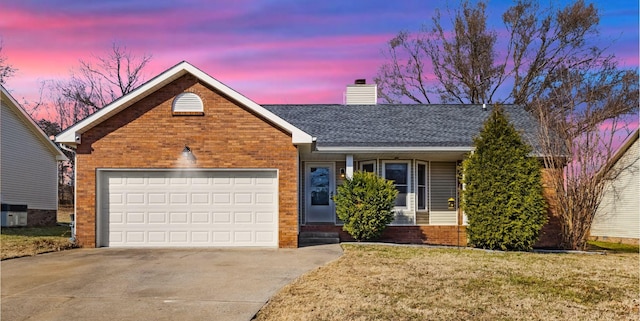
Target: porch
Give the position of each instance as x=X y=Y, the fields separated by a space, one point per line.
x=427 y=208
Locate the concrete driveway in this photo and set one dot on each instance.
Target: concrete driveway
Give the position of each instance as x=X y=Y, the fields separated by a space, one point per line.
x=152 y=284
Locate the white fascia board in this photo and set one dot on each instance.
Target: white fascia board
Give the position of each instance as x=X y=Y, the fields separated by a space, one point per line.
x=33 y=125
x=69 y=135
x=297 y=136
x=395 y=149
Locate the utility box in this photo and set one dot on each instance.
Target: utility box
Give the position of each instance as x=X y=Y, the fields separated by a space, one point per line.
x=13 y=215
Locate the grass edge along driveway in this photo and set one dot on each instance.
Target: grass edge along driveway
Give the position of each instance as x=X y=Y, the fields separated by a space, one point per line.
x=378 y=282
x=27 y=241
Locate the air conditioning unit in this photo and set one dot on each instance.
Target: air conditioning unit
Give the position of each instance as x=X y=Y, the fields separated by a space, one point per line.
x=13 y=215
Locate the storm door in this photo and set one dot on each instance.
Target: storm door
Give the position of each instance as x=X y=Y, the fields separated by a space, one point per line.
x=319 y=191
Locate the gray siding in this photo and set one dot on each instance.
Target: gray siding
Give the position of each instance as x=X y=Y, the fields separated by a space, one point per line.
x=619 y=213
x=28 y=168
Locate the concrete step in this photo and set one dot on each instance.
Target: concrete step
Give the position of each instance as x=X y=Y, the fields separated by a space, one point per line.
x=319 y=234
x=318 y=238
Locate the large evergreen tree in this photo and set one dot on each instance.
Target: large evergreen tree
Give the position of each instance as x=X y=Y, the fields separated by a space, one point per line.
x=503 y=194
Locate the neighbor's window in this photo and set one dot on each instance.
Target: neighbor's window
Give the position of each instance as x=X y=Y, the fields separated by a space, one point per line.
x=399 y=174
x=188 y=104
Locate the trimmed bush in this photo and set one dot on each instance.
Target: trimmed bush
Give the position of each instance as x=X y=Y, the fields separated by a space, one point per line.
x=365 y=204
x=503 y=197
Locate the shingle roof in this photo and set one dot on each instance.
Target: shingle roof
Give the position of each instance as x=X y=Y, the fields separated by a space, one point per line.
x=397 y=125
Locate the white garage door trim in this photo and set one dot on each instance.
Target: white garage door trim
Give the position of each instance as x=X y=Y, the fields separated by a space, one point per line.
x=228 y=223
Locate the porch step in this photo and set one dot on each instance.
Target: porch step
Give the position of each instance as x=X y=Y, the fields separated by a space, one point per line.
x=318 y=238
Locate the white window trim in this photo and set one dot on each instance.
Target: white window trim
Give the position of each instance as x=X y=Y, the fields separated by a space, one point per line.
x=409 y=182
x=427 y=186
x=372 y=162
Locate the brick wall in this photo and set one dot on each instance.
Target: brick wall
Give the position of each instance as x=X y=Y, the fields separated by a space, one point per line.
x=148 y=135
x=550 y=235
x=422 y=234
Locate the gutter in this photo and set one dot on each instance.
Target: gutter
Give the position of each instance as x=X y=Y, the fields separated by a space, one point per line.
x=397 y=149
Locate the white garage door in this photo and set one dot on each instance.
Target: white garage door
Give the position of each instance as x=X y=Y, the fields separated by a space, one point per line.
x=188 y=208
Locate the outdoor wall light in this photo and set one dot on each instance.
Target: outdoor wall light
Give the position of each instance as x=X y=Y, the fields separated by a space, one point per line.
x=187 y=154
x=342 y=173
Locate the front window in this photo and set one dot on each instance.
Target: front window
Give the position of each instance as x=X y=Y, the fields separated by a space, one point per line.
x=399 y=174
x=369 y=167
x=422 y=186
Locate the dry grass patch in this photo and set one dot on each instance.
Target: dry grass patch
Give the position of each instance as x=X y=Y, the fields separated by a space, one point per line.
x=64 y=213
x=27 y=241
x=418 y=283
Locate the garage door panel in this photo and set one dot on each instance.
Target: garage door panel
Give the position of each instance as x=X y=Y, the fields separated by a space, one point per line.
x=200 y=218
x=178 y=198
x=200 y=198
x=242 y=198
x=208 y=208
x=221 y=198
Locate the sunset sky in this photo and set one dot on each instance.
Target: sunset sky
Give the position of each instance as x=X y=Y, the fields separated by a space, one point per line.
x=271 y=51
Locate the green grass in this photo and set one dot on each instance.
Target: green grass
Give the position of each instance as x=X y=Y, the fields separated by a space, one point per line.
x=26 y=241
x=613 y=247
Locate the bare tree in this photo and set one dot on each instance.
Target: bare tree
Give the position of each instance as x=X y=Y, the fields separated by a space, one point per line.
x=580 y=96
x=461 y=64
x=465 y=63
x=6 y=70
x=583 y=117
x=542 y=40
x=65 y=169
x=94 y=84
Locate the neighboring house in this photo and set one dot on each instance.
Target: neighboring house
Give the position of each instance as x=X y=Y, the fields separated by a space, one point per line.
x=618 y=216
x=184 y=160
x=28 y=168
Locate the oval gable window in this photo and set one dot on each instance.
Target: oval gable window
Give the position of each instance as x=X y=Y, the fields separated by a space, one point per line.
x=188 y=103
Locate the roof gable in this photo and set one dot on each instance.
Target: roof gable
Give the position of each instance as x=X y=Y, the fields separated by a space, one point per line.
x=72 y=135
x=9 y=101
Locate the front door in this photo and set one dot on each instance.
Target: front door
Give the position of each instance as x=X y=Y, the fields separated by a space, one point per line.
x=320 y=186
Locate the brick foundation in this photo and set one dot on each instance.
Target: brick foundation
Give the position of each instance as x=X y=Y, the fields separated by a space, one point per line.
x=36 y=217
x=420 y=234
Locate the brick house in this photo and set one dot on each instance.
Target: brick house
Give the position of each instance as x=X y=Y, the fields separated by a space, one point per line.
x=184 y=160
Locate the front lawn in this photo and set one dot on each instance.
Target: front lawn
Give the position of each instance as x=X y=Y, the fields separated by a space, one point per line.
x=378 y=282
x=26 y=241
